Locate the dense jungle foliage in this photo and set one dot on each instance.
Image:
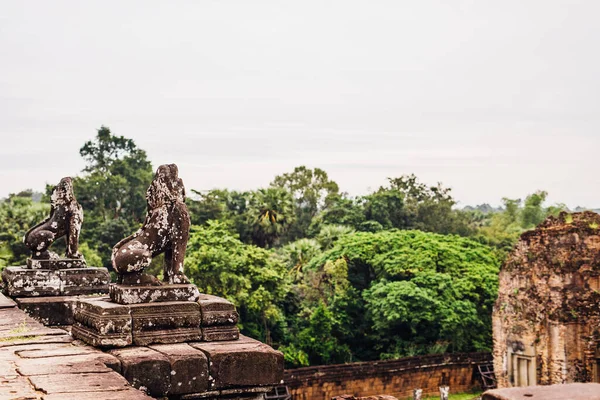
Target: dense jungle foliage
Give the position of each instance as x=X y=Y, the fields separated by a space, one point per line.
x=322 y=276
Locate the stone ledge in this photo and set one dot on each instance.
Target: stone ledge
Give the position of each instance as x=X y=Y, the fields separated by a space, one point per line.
x=217 y=311
x=220 y=333
x=189 y=368
x=57 y=263
x=244 y=362
x=198 y=369
x=26 y=282
x=123 y=294
x=106 y=324
x=6 y=302
x=49 y=310
x=144 y=367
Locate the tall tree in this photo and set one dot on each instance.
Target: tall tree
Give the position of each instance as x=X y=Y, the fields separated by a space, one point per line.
x=112 y=190
x=270 y=213
x=312 y=191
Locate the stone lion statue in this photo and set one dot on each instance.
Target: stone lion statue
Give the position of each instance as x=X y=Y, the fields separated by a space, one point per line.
x=66 y=217
x=165 y=230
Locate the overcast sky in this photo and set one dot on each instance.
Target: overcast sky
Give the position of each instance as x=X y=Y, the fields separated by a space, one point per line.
x=492 y=98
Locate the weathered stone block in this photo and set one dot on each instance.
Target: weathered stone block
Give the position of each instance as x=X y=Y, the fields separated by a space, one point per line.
x=166 y=322
x=220 y=333
x=102 y=323
x=151 y=294
x=217 y=311
x=189 y=368
x=78 y=281
x=60 y=263
x=144 y=367
x=244 y=362
x=49 y=310
x=24 y=282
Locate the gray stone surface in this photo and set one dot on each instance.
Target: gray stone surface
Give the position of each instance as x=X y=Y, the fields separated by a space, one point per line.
x=124 y=294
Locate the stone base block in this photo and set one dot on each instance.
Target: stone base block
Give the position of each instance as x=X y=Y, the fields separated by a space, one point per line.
x=168 y=322
x=242 y=363
x=103 y=323
x=123 y=294
x=189 y=368
x=217 y=311
x=219 y=333
x=54 y=264
x=82 y=281
x=225 y=370
x=144 y=367
x=21 y=282
x=49 y=310
x=27 y=282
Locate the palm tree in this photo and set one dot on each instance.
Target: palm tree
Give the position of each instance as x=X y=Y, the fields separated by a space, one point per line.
x=270 y=213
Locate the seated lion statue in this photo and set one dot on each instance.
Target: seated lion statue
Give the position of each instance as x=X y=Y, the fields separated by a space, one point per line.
x=165 y=230
x=66 y=217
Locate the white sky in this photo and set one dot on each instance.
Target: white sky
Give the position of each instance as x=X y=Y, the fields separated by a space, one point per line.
x=492 y=98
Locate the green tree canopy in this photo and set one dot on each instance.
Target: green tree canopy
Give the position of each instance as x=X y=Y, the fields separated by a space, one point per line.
x=112 y=190
x=312 y=191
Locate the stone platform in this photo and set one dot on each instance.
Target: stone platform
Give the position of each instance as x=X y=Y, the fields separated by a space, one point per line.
x=200 y=370
x=36 y=282
x=104 y=323
x=48 y=364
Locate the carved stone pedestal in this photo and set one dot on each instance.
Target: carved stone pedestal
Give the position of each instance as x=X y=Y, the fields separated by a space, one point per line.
x=54 y=263
x=219 y=319
x=35 y=282
x=104 y=323
x=123 y=294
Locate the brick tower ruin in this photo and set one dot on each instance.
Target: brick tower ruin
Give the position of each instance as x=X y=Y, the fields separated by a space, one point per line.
x=546 y=320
